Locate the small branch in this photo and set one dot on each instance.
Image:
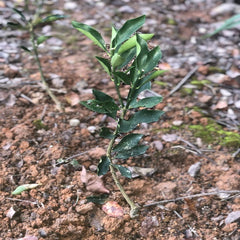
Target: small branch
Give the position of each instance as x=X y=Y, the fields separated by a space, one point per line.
x=192 y=196
x=44 y=83
x=183 y=81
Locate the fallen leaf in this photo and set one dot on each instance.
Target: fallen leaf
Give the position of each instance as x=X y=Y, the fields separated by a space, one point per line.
x=221 y=104
x=113 y=209
x=72 y=98
x=93 y=182
x=138 y=171
x=205 y=98
x=164 y=66
x=24 y=187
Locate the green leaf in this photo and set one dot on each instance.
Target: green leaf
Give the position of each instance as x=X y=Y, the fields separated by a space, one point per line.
x=123 y=170
x=103 y=165
x=135 y=151
x=128 y=28
x=26 y=49
x=131 y=42
x=20 y=14
x=141 y=52
x=24 y=187
x=14 y=25
x=143 y=116
x=123 y=77
x=148 y=102
x=52 y=18
x=117 y=60
x=42 y=39
x=153 y=58
x=105 y=64
x=91 y=33
x=127 y=57
x=114 y=32
x=101 y=96
x=106 y=133
x=229 y=23
x=109 y=108
x=128 y=142
x=98 y=199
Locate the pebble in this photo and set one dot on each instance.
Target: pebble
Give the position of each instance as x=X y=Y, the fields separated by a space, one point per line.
x=237 y=104
x=126 y=9
x=158 y=145
x=177 y=123
x=42 y=233
x=70 y=6
x=217 y=77
x=74 y=122
x=232 y=217
x=225 y=93
x=231 y=114
x=194 y=169
x=225 y=8
x=92 y=129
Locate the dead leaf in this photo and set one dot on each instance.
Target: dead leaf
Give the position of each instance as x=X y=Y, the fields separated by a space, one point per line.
x=205 y=98
x=138 y=171
x=164 y=66
x=72 y=98
x=113 y=209
x=93 y=182
x=221 y=104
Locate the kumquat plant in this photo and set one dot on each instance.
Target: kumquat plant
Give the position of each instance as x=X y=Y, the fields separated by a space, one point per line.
x=129 y=62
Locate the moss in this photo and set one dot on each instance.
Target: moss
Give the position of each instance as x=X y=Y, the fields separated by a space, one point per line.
x=214 y=69
x=39 y=124
x=160 y=83
x=200 y=83
x=214 y=133
x=171 y=21
x=186 y=91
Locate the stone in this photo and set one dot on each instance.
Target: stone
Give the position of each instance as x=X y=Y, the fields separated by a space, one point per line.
x=232 y=217
x=74 y=122
x=194 y=169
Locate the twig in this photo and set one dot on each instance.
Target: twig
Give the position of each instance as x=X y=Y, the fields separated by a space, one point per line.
x=20 y=200
x=191 y=196
x=236 y=153
x=27 y=98
x=184 y=80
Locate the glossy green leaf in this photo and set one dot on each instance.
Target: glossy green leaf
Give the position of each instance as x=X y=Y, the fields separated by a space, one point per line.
x=123 y=77
x=14 y=25
x=135 y=151
x=101 y=96
x=153 y=58
x=127 y=57
x=128 y=28
x=123 y=170
x=117 y=60
x=91 y=33
x=109 y=108
x=148 y=102
x=114 y=32
x=141 y=53
x=131 y=42
x=103 y=165
x=105 y=64
x=143 y=116
x=24 y=187
x=106 y=133
x=52 y=18
x=26 y=49
x=42 y=39
x=100 y=199
x=20 y=14
x=128 y=142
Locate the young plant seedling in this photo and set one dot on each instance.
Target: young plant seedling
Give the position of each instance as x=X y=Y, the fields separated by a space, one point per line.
x=129 y=62
x=30 y=24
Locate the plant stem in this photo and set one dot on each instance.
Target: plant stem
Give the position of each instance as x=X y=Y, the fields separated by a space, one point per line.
x=45 y=85
x=133 y=206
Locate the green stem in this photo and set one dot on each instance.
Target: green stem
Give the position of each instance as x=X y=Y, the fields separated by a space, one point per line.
x=45 y=85
x=133 y=206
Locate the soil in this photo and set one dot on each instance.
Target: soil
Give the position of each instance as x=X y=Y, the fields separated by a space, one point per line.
x=38 y=143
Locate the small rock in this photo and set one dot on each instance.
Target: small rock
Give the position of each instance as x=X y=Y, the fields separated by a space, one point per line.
x=237 y=104
x=232 y=217
x=91 y=22
x=221 y=104
x=126 y=9
x=177 y=123
x=225 y=93
x=225 y=8
x=158 y=145
x=92 y=129
x=70 y=6
x=231 y=114
x=167 y=188
x=170 y=137
x=194 y=169
x=74 y=122
x=93 y=168
x=42 y=233
x=85 y=208
x=217 y=77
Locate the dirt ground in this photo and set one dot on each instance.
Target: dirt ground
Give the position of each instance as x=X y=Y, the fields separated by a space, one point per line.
x=200 y=126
